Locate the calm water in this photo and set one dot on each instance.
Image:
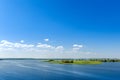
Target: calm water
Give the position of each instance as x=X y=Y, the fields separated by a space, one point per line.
x=38 y=70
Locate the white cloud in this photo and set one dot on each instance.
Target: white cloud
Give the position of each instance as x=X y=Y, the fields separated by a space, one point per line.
x=49 y=48
x=59 y=48
x=22 y=41
x=46 y=40
x=9 y=46
x=40 y=45
x=77 y=47
x=40 y=49
x=6 y=44
x=19 y=45
x=12 y=46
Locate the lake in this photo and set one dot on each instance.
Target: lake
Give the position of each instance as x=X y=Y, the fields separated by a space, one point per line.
x=38 y=70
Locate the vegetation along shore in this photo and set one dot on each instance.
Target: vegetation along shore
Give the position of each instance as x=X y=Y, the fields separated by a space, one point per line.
x=81 y=61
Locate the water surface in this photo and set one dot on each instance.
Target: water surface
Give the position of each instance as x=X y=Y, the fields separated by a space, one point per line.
x=38 y=70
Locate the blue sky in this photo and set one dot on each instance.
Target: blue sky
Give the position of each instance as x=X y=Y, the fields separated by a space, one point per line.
x=95 y=24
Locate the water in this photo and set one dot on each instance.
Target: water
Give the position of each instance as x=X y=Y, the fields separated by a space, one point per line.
x=38 y=70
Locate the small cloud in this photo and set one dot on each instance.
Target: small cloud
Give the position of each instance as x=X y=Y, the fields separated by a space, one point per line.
x=40 y=45
x=22 y=41
x=59 y=48
x=46 y=40
x=77 y=47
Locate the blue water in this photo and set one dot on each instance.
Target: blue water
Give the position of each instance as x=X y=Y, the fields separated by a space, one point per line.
x=38 y=70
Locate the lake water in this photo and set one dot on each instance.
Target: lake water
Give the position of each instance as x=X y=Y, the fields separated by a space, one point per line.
x=38 y=70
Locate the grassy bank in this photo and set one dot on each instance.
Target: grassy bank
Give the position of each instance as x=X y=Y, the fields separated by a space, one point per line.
x=74 y=62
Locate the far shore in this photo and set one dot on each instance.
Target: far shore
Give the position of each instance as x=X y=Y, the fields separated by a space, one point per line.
x=69 y=61
x=81 y=61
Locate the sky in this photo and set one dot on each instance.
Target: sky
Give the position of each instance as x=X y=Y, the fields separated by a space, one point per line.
x=60 y=28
